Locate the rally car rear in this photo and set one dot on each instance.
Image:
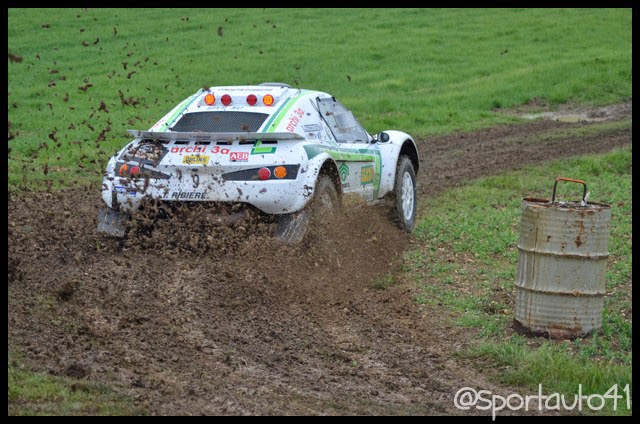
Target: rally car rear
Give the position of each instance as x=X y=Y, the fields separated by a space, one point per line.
x=232 y=168
x=217 y=146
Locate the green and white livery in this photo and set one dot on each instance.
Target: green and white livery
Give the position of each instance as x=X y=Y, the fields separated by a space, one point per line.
x=271 y=147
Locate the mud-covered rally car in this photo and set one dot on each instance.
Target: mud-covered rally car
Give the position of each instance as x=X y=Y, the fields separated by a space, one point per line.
x=284 y=152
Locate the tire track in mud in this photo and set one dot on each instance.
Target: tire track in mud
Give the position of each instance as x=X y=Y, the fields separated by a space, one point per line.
x=238 y=323
x=452 y=160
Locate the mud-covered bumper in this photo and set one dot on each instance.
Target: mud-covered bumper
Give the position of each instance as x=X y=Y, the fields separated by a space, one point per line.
x=272 y=197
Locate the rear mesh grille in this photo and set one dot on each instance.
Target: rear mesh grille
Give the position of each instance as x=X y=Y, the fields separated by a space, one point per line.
x=220 y=122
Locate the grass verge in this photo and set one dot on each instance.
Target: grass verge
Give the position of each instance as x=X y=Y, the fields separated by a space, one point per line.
x=466 y=262
x=35 y=393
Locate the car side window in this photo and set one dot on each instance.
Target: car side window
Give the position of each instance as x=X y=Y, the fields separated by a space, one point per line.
x=343 y=124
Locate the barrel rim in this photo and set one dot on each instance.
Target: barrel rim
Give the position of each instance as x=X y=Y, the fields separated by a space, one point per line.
x=547 y=204
x=553 y=333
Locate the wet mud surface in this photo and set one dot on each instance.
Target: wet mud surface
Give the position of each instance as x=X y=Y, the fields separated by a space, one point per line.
x=193 y=319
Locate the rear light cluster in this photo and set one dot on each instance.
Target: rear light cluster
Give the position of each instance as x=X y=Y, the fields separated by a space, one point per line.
x=134 y=171
x=129 y=170
x=279 y=172
x=226 y=99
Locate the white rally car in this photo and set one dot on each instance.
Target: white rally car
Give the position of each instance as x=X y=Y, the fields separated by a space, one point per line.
x=279 y=150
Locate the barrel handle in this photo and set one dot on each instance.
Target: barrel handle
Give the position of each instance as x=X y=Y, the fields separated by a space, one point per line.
x=571 y=180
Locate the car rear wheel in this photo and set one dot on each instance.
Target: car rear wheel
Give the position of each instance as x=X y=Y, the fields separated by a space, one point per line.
x=292 y=228
x=405 y=196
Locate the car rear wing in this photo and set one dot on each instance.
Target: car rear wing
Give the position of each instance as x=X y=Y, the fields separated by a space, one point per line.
x=214 y=136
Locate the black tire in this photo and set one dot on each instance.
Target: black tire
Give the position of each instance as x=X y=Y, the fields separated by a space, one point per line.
x=293 y=228
x=405 y=195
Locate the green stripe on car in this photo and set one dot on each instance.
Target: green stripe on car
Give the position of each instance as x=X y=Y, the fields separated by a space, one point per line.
x=272 y=124
x=183 y=106
x=342 y=153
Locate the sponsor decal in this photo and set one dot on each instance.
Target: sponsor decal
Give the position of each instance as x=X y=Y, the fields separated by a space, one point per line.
x=344 y=172
x=222 y=151
x=339 y=153
x=239 y=156
x=366 y=175
x=189 y=149
x=294 y=119
x=195 y=160
x=125 y=190
x=182 y=195
x=311 y=127
x=258 y=149
x=201 y=149
x=312 y=131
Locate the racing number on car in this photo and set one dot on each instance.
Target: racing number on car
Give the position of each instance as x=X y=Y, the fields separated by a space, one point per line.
x=196 y=180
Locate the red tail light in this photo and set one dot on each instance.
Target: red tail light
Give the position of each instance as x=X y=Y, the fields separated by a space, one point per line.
x=264 y=173
x=226 y=100
x=252 y=99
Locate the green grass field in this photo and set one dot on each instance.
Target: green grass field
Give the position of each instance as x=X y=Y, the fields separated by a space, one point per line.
x=85 y=77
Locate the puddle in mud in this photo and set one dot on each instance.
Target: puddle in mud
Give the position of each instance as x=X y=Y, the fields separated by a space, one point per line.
x=565 y=117
x=572 y=113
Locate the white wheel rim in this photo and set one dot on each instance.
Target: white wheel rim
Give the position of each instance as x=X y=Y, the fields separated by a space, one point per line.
x=406 y=196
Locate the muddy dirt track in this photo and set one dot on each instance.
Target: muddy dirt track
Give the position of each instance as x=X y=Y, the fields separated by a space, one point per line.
x=195 y=320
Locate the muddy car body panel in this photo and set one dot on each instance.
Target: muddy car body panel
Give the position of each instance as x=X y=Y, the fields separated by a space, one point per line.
x=262 y=145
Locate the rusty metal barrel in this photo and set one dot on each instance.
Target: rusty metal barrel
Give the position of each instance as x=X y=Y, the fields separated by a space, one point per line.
x=560 y=283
